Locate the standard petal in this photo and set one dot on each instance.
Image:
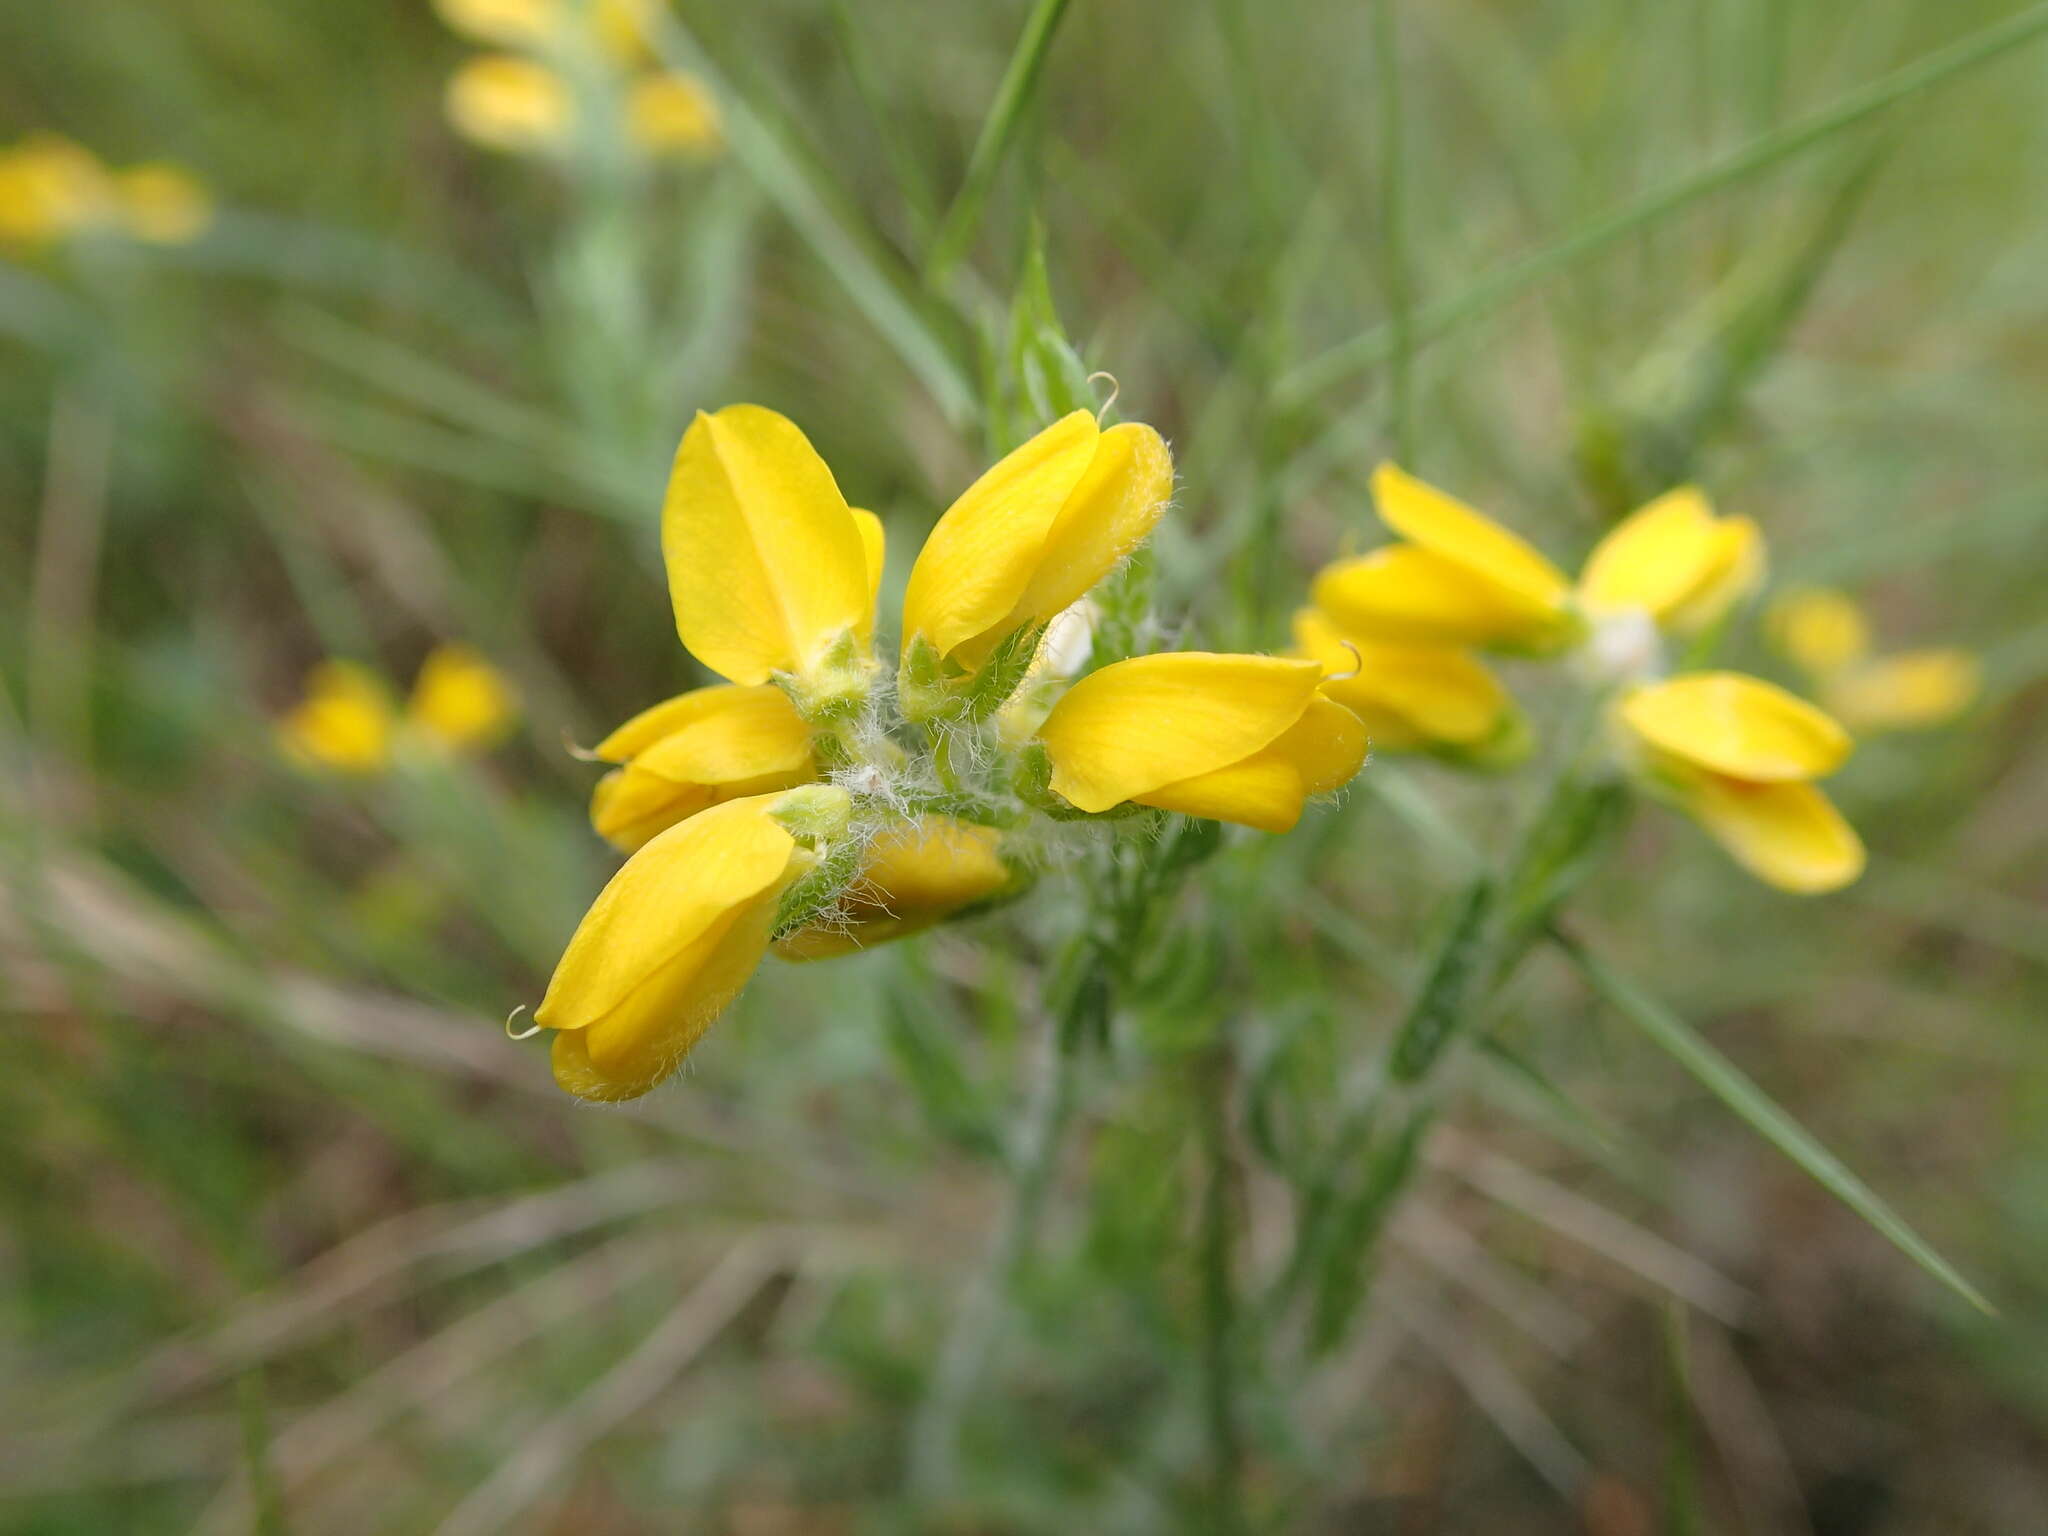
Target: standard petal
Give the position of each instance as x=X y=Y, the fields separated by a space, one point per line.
x=1438 y=694
x=874 y=543
x=1737 y=725
x=981 y=554
x=1820 y=629
x=1404 y=595
x=1137 y=725
x=1445 y=526
x=664 y=898
x=1787 y=835
x=1911 y=690
x=1655 y=558
x=766 y=563
x=1737 y=570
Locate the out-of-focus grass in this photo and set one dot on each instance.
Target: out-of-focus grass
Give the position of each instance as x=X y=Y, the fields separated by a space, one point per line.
x=294 y=1240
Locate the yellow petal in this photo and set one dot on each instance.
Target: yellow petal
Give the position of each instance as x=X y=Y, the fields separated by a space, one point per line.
x=692 y=752
x=982 y=554
x=345 y=722
x=1737 y=570
x=767 y=565
x=1820 y=629
x=163 y=204
x=1445 y=526
x=914 y=875
x=1319 y=753
x=505 y=102
x=672 y=114
x=1136 y=726
x=1404 y=595
x=461 y=701
x=51 y=188
x=502 y=23
x=874 y=543
x=1737 y=725
x=1655 y=558
x=672 y=937
x=1435 y=693
x=1908 y=691
x=1787 y=835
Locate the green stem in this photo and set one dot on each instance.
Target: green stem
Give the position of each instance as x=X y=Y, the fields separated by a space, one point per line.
x=1393 y=234
x=1219 y=1325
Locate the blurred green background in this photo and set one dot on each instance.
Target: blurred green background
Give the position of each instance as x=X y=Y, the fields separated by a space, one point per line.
x=295 y=1240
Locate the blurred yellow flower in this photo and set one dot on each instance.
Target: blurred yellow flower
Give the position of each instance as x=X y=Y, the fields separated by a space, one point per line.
x=672 y=114
x=913 y=875
x=675 y=936
x=503 y=23
x=1739 y=756
x=345 y=723
x=1416 y=698
x=50 y=189
x=1031 y=536
x=1246 y=739
x=772 y=574
x=694 y=751
x=461 y=702
x=1460 y=579
x=503 y=101
x=163 y=203
x=1825 y=634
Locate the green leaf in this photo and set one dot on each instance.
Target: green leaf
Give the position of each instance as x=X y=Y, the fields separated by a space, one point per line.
x=1722 y=1078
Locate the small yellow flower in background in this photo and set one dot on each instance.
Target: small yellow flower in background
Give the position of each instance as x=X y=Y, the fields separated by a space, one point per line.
x=1825 y=634
x=503 y=23
x=1027 y=540
x=51 y=189
x=163 y=204
x=503 y=101
x=672 y=114
x=694 y=751
x=1416 y=698
x=461 y=702
x=771 y=573
x=1739 y=756
x=1246 y=739
x=912 y=876
x=345 y=723
x=676 y=935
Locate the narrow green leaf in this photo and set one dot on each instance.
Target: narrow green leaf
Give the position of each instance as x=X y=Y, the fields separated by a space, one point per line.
x=1722 y=1078
x=1760 y=154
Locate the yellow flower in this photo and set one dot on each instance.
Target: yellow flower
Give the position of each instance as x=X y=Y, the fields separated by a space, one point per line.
x=163 y=203
x=672 y=114
x=51 y=188
x=675 y=936
x=912 y=876
x=1675 y=561
x=1739 y=756
x=345 y=723
x=1032 y=535
x=1234 y=738
x=503 y=23
x=1416 y=698
x=771 y=573
x=461 y=702
x=1460 y=579
x=1826 y=635
x=503 y=101
x=695 y=751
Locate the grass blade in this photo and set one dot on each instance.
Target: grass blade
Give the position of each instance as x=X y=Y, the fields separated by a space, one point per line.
x=1722 y=1078
x=1760 y=154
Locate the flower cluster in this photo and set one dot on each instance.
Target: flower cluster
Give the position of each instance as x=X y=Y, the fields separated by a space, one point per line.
x=52 y=190
x=560 y=68
x=1825 y=634
x=812 y=803
x=1402 y=627
x=347 y=722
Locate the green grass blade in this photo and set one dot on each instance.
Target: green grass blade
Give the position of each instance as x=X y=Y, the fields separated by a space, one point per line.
x=1760 y=154
x=1722 y=1078
x=1013 y=96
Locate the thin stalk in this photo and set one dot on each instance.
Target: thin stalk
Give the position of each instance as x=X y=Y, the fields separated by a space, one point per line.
x=1218 y=1363
x=1760 y=154
x=1013 y=95
x=1393 y=243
